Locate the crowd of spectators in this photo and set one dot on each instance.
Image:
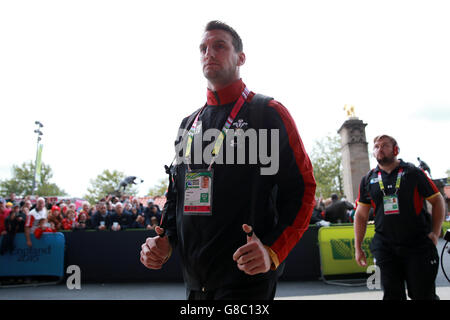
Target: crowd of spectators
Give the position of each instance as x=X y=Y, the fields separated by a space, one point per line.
x=333 y=210
x=110 y=213
x=115 y=214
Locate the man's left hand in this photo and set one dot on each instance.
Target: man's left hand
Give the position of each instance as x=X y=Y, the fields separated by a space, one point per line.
x=433 y=238
x=252 y=258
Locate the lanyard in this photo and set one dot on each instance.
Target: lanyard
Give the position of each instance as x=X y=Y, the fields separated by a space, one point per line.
x=237 y=107
x=397 y=183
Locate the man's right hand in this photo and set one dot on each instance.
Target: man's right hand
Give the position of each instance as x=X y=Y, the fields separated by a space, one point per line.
x=360 y=257
x=29 y=243
x=155 y=251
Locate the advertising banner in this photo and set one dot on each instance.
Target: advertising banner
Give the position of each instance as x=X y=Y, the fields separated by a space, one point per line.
x=337 y=250
x=39 y=164
x=445 y=227
x=44 y=258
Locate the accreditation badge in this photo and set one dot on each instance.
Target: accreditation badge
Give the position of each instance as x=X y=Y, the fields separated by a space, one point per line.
x=198 y=192
x=391 y=205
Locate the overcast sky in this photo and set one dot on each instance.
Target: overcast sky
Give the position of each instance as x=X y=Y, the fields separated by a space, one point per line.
x=112 y=80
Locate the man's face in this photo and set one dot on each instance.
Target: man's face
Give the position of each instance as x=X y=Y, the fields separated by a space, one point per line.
x=40 y=204
x=220 y=61
x=383 y=151
x=119 y=208
x=102 y=208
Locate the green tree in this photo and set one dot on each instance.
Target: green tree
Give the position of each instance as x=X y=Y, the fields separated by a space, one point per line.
x=448 y=173
x=22 y=181
x=159 y=189
x=326 y=158
x=107 y=183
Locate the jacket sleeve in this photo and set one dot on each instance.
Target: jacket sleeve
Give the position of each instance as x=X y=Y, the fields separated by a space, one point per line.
x=295 y=182
x=425 y=185
x=364 y=198
x=168 y=217
x=169 y=211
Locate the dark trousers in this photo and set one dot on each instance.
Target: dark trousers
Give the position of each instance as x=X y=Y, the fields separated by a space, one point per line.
x=417 y=267
x=261 y=290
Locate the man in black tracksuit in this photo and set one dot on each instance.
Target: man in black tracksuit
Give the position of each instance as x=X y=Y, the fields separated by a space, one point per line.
x=234 y=247
x=404 y=245
x=337 y=211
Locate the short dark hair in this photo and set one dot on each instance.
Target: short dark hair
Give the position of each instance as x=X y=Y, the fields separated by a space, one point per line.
x=385 y=136
x=219 y=25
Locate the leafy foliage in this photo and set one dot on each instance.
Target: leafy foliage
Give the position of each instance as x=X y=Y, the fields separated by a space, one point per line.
x=22 y=181
x=159 y=189
x=107 y=183
x=326 y=158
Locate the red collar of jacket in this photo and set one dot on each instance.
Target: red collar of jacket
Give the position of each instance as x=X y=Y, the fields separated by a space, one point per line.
x=226 y=95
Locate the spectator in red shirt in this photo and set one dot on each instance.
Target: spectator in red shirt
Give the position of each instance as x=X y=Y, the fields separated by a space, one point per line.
x=68 y=223
x=12 y=226
x=44 y=226
x=9 y=206
x=63 y=208
x=3 y=215
x=72 y=207
x=33 y=218
x=56 y=218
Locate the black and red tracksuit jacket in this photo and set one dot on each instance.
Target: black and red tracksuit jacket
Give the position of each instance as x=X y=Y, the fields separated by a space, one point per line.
x=278 y=206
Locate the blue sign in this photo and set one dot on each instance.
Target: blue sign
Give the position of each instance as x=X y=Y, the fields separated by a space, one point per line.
x=44 y=258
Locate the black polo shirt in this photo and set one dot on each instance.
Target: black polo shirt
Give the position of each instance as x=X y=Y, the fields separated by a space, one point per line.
x=413 y=223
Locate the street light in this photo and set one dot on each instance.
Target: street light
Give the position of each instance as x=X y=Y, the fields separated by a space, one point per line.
x=39 y=134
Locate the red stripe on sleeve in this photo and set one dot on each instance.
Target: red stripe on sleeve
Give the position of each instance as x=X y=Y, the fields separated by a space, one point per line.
x=418 y=201
x=29 y=221
x=292 y=234
x=433 y=186
x=359 y=197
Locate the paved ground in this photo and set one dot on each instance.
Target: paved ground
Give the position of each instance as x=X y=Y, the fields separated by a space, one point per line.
x=311 y=290
x=306 y=290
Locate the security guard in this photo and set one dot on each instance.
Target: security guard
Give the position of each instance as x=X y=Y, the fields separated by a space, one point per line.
x=406 y=235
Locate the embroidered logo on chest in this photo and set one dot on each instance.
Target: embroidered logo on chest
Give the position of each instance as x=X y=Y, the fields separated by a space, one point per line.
x=240 y=124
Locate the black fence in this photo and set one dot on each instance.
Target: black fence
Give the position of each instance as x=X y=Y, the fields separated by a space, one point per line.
x=114 y=257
